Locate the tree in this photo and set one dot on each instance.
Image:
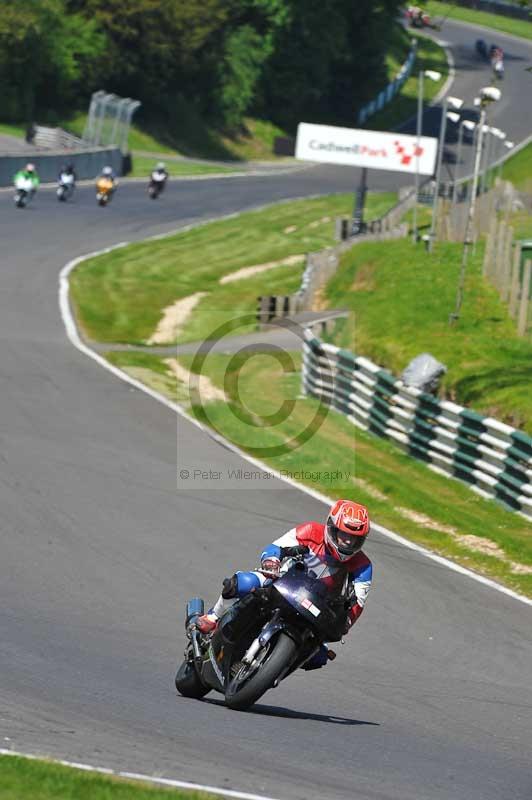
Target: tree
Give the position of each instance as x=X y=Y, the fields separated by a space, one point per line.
x=43 y=52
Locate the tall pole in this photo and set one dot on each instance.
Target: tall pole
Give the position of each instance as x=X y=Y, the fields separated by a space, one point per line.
x=458 y=156
x=443 y=127
x=500 y=154
x=487 y=160
x=418 y=143
x=360 y=199
x=468 y=236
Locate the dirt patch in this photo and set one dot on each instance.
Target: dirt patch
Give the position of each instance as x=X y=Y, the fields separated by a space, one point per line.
x=208 y=392
x=173 y=319
x=520 y=569
x=290 y=229
x=481 y=545
x=369 y=489
x=247 y=272
x=318 y=222
x=427 y=522
x=364 y=279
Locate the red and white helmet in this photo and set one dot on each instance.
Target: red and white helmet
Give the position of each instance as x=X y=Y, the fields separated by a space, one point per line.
x=346 y=529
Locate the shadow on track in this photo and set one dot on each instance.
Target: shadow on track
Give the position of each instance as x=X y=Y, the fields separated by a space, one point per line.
x=287 y=713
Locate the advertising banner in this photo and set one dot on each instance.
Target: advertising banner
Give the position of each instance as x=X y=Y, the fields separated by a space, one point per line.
x=354 y=147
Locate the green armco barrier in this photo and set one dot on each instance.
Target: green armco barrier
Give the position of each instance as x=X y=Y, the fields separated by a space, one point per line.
x=491 y=457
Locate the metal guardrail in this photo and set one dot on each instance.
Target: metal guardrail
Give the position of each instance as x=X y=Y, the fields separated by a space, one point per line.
x=56 y=139
x=393 y=88
x=493 y=458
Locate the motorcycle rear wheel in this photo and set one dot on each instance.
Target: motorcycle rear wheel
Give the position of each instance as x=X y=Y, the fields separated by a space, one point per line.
x=187 y=682
x=242 y=692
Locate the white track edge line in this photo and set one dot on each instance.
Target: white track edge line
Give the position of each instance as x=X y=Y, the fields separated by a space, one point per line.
x=138 y=776
x=452 y=72
x=72 y=332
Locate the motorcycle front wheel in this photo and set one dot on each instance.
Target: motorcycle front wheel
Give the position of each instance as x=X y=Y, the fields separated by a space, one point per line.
x=187 y=682
x=250 y=683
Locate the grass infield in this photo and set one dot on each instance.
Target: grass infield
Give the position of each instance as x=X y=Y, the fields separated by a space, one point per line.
x=32 y=779
x=402 y=298
x=119 y=297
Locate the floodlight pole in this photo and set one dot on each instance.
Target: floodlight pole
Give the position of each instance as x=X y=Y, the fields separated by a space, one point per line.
x=468 y=236
x=418 y=145
x=458 y=156
x=443 y=128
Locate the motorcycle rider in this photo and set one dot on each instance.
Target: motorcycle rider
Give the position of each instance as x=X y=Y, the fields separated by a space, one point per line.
x=159 y=175
x=109 y=173
x=28 y=175
x=497 y=61
x=68 y=169
x=66 y=181
x=332 y=551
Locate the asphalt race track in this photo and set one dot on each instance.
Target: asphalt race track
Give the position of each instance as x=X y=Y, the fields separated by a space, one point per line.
x=431 y=696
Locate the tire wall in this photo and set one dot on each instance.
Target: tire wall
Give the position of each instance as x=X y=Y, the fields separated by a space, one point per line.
x=86 y=163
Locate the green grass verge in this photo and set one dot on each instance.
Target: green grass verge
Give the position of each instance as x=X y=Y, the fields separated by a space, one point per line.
x=119 y=297
x=143 y=166
x=518 y=169
x=42 y=780
x=403 y=494
x=402 y=298
x=12 y=130
x=429 y=56
x=441 y=11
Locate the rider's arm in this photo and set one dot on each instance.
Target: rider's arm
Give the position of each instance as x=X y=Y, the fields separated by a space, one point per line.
x=361 y=582
x=275 y=549
x=274 y=553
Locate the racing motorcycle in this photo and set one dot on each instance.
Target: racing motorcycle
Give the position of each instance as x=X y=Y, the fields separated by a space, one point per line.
x=104 y=190
x=417 y=18
x=263 y=637
x=24 y=192
x=66 y=187
x=156 y=184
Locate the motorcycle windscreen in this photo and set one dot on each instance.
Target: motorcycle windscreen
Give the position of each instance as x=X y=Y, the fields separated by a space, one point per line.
x=306 y=596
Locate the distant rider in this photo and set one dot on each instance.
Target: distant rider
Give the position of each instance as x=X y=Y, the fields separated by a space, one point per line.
x=497 y=61
x=69 y=172
x=109 y=173
x=159 y=175
x=27 y=179
x=332 y=551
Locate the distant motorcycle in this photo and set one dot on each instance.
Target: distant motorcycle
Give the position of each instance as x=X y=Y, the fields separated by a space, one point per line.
x=24 y=192
x=262 y=638
x=417 y=18
x=497 y=65
x=66 y=187
x=104 y=190
x=156 y=184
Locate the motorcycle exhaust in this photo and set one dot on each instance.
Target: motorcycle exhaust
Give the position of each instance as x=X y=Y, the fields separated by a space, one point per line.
x=195 y=609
